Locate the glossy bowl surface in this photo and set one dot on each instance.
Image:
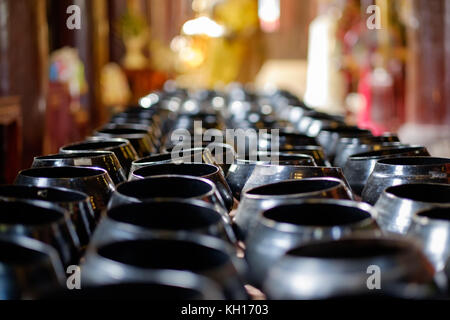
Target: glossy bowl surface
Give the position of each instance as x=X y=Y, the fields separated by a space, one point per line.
x=359 y=166
x=94 y=182
x=405 y=170
x=397 y=205
x=329 y=269
x=290 y=224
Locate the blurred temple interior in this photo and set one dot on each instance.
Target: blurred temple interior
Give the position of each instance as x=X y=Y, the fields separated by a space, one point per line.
x=224 y=150
x=65 y=71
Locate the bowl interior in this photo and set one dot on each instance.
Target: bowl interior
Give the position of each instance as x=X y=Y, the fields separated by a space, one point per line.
x=387 y=152
x=62 y=172
x=316 y=214
x=77 y=155
x=164 y=254
x=15 y=254
x=123 y=131
x=21 y=213
x=294 y=187
x=165 y=187
x=436 y=214
x=166 y=215
x=94 y=145
x=188 y=169
x=433 y=193
x=38 y=193
x=346 y=130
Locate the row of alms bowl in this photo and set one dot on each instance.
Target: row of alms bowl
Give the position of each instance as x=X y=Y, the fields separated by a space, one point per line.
x=83 y=154
x=284 y=220
x=84 y=211
x=390 y=163
x=406 y=178
x=206 y=182
x=271 y=225
x=380 y=172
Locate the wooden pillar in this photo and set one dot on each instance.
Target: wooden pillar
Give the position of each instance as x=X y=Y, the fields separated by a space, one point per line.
x=100 y=30
x=116 y=47
x=23 y=66
x=167 y=18
x=291 y=40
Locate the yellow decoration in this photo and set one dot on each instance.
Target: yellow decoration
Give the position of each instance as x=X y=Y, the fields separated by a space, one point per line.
x=238 y=15
x=215 y=47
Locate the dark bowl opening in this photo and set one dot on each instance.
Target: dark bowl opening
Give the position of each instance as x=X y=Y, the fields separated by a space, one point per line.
x=285 y=137
x=386 y=152
x=369 y=140
x=291 y=135
x=155 y=158
x=418 y=161
x=15 y=254
x=137 y=109
x=199 y=115
x=300 y=148
x=123 y=131
x=21 y=213
x=294 y=187
x=166 y=215
x=346 y=130
x=316 y=214
x=432 y=193
x=351 y=249
x=41 y=193
x=134 y=114
x=62 y=172
x=77 y=155
x=94 y=145
x=166 y=187
x=130 y=121
x=187 y=169
x=321 y=116
x=137 y=113
x=128 y=291
x=263 y=156
x=164 y=254
x=436 y=214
